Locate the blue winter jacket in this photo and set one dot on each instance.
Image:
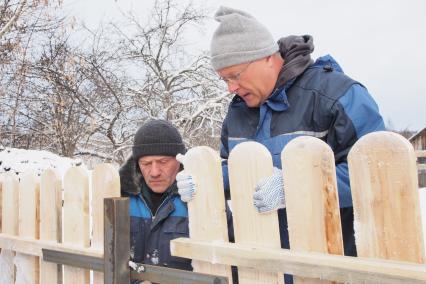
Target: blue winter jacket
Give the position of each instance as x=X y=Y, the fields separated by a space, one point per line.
x=321 y=102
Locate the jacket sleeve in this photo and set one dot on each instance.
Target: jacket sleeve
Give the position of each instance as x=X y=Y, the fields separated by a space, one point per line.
x=354 y=115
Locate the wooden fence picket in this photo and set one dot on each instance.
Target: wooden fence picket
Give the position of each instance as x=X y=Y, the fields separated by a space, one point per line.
x=105 y=183
x=313 y=213
x=203 y=163
x=76 y=220
x=248 y=163
x=50 y=221
x=27 y=267
x=10 y=197
x=383 y=175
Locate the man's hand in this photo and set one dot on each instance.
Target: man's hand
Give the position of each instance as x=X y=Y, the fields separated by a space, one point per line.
x=269 y=193
x=186 y=186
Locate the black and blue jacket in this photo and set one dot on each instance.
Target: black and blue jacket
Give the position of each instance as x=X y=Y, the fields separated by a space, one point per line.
x=320 y=101
x=151 y=232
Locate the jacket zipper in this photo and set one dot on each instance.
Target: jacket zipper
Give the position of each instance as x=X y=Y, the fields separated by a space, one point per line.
x=159 y=207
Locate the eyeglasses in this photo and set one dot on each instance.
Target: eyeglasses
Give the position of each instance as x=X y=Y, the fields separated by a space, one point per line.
x=236 y=77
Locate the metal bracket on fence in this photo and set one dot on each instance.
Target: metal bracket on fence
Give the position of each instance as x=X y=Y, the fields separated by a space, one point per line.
x=165 y=275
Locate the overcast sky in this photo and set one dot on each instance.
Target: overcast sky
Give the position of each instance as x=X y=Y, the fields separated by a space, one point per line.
x=380 y=43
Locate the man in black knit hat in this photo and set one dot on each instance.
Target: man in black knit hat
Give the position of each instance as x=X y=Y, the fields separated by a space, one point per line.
x=157 y=214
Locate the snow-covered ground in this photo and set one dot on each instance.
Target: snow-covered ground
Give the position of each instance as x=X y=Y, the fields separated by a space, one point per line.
x=19 y=160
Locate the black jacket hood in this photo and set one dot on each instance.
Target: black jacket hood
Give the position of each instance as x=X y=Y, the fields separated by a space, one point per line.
x=131 y=179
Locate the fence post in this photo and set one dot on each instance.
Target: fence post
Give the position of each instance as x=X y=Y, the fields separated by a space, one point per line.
x=384 y=184
x=249 y=162
x=116 y=241
x=203 y=163
x=310 y=189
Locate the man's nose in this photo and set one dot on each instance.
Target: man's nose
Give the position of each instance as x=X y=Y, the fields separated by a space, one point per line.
x=155 y=170
x=232 y=86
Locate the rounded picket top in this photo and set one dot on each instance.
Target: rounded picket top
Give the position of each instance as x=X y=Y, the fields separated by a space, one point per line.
x=50 y=205
x=309 y=174
x=50 y=219
x=76 y=207
x=105 y=184
x=254 y=154
x=204 y=165
x=76 y=219
x=106 y=180
x=384 y=185
x=28 y=204
x=248 y=163
x=10 y=199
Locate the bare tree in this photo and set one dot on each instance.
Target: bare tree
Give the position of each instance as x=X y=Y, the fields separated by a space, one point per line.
x=89 y=97
x=173 y=84
x=20 y=24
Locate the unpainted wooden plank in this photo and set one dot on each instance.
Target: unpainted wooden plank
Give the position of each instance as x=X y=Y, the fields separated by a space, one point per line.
x=35 y=247
x=50 y=220
x=313 y=213
x=10 y=197
x=248 y=163
x=203 y=163
x=383 y=176
x=27 y=267
x=345 y=269
x=76 y=219
x=105 y=183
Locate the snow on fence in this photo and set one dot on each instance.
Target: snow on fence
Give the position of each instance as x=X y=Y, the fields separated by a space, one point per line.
x=388 y=225
x=50 y=213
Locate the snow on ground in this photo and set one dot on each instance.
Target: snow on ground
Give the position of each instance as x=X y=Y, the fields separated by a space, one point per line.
x=20 y=160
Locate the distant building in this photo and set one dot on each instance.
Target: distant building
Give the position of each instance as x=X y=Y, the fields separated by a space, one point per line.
x=419 y=140
x=419 y=143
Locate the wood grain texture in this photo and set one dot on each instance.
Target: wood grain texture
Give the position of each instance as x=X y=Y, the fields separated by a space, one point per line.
x=383 y=174
x=76 y=219
x=10 y=212
x=207 y=215
x=344 y=269
x=248 y=163
x=50 y=220
x=105 y=183
x=313 y=213
x=27 y=267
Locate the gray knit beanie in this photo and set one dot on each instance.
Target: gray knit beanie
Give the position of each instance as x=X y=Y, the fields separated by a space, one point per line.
x=239 y=38
x=157 y=137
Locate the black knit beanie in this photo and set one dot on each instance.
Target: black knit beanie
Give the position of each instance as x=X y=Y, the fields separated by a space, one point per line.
x=157 y=137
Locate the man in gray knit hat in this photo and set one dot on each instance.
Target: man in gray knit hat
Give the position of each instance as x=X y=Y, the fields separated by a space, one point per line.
x=281 y=93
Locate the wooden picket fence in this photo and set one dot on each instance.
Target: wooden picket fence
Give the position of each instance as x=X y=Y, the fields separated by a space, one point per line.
x=47 y=212
x=388 y=227
x=54 y=214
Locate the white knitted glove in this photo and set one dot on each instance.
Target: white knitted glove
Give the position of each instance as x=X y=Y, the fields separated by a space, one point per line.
x=186 y=186
x=269 y=193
